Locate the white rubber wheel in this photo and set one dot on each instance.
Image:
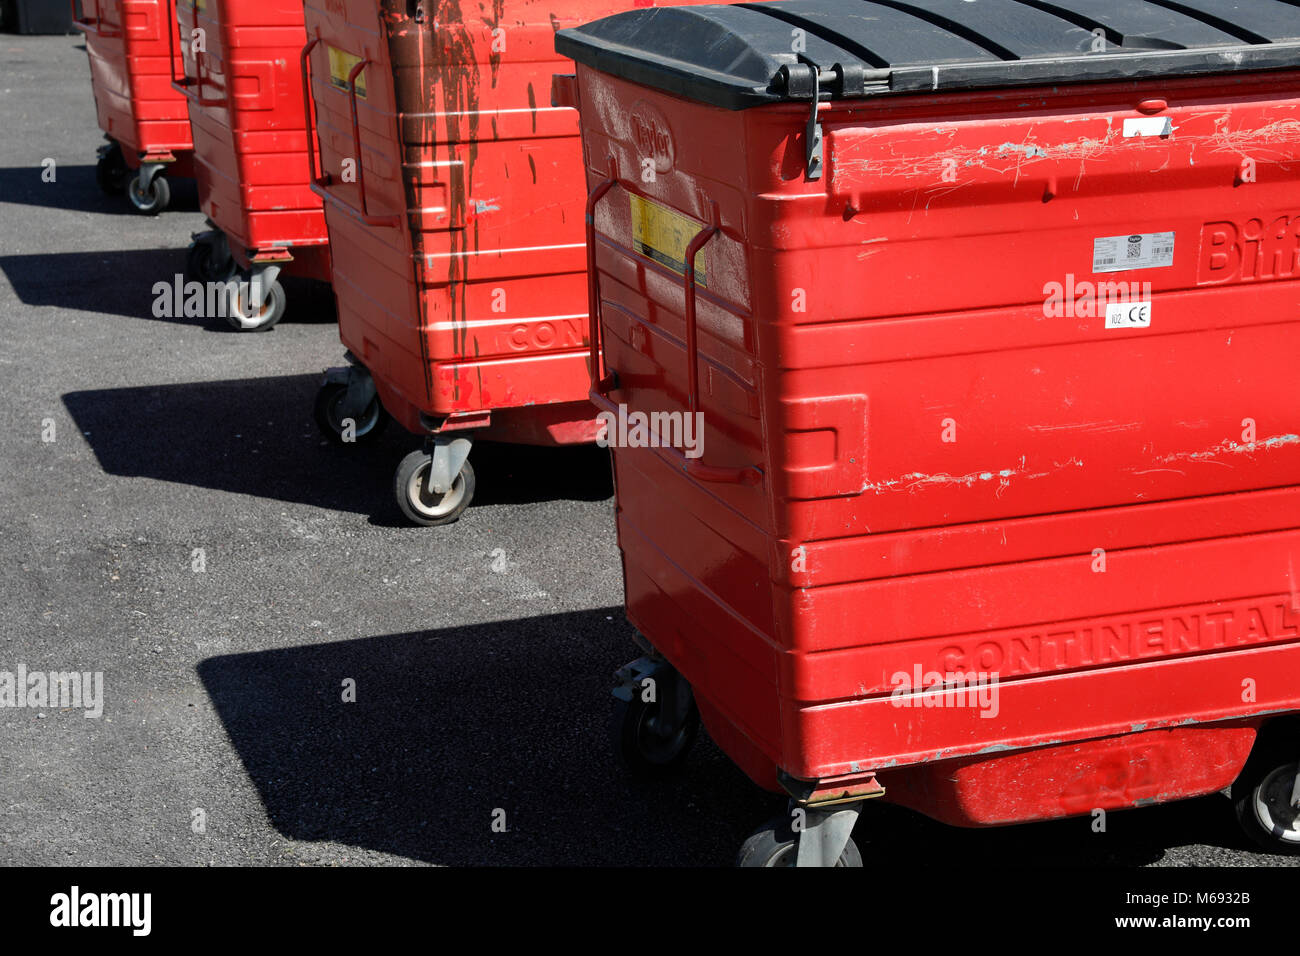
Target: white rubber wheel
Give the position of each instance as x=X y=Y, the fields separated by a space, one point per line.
x=774 y=845
x=1266 y=813
x=240 y=313
x=422 y=505
x=151 y=199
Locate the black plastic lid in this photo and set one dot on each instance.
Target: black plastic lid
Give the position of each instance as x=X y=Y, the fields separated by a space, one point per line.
x=753 y=53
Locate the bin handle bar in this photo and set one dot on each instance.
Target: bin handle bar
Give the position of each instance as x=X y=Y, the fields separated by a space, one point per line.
x=602 y=386
x=692 y=344
x=183 y=83
x=90 y=24
x=320 y=181
x=599 y=385
x=304 y=61
x=694 y=466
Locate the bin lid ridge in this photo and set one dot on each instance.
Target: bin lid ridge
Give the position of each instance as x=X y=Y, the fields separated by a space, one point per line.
x=731 y=56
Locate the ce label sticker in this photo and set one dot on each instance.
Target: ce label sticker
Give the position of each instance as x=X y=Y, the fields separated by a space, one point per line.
x=1128 y=315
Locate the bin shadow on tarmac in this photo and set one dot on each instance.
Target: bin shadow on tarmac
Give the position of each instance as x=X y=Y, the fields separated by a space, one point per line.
x=123 y=282
x=449 y=725
x=256 y=436
x=76 y=189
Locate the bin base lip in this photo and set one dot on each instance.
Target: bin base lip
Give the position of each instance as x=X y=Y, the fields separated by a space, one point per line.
x=455 y=421
x=831 y=791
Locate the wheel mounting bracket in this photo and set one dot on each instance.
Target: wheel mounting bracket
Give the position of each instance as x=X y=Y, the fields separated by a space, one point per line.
x=825 y=833
x=448 y=456
x=147 y=173
x=261 y=279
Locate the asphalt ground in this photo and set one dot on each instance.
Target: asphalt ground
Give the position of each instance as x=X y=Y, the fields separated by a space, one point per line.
x=482 y=653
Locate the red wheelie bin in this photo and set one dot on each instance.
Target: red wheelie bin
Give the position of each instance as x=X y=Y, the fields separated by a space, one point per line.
x=454 y=194
x=970 y=335
x=245 y=96
x=129 y=44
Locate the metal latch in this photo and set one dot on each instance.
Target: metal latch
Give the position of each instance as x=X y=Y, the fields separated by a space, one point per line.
x=813 y=133
x=799 y=81
x=807 y=80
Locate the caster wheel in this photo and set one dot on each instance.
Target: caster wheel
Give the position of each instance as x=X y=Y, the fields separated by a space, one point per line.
x=330 y=415
x=239 y=310
x=111 y=171
x=424 y=506
x=773 y=844
x=209 y=260
x=644 y=749
x=151 y=199
x=1265 y=812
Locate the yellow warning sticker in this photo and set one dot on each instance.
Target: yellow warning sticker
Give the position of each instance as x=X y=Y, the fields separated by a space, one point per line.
x=199 y=5
x=341 y=66
x=661 y=234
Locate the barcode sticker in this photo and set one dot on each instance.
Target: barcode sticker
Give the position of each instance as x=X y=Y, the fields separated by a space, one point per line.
x=1151 y=250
